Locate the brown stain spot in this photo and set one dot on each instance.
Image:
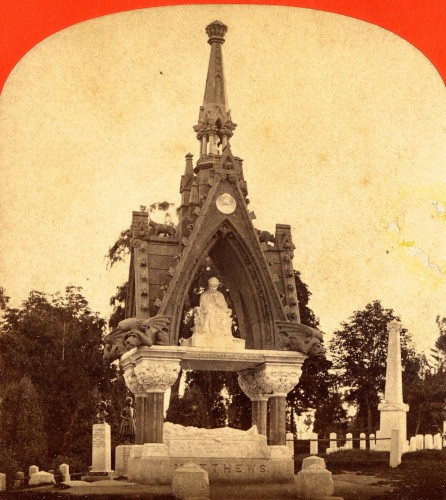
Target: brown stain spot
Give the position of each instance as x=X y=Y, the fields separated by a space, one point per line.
x=365 y=181
x=322 y=157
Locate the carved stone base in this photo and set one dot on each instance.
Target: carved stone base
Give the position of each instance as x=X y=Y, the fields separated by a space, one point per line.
x=228 y=456
x=220 y=342
x=393 y=416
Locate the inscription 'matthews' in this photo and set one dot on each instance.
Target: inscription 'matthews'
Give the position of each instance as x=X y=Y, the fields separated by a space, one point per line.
x=230 y=468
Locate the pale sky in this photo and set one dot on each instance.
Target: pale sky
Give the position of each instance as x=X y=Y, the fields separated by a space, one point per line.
x=341 y=125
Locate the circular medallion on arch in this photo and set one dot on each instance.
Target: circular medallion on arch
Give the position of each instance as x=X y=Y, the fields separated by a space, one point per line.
x=226 y=203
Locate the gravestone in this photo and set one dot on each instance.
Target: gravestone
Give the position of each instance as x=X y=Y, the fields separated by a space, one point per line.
x=101 y=448
x=64 y=472
x=2 y=481
x=32 y=470
x=393 y=411
x=428 y=442
x=259 y=335
x=437 y=442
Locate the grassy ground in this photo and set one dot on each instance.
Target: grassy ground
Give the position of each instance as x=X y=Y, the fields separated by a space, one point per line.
x=421 y=475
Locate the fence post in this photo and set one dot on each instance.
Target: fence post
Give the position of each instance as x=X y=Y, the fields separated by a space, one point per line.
x=395 y=448
x=437 y=441
x=372 y=442
x=362 y=442
x=348 y=441
x=314 y=448
x=333 y=441
x=428 y=442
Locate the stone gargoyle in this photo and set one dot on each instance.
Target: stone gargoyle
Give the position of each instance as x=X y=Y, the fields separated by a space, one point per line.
x=136 y=332
x=301 y=338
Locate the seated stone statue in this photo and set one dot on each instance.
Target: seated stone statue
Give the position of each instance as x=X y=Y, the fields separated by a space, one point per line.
x=213 y=317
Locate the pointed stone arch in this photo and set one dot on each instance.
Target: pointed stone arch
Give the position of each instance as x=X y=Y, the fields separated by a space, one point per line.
x=248 y=285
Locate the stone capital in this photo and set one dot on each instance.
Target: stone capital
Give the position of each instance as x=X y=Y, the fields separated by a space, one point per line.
x=268 y=380
x=151 y=375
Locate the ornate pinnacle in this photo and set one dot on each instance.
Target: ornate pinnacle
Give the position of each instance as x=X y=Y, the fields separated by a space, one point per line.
x=216 y=32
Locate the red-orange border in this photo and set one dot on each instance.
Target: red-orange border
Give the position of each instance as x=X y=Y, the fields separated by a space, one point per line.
x=27 y=22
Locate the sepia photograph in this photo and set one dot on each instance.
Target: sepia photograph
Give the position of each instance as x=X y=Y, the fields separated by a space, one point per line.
x=222 y=260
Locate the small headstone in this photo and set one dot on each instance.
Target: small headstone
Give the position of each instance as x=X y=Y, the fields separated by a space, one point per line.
x=190 y=481
x=19 y=479
x=372 y=442
x=428 y=442
x=41 y=477
x=362 y=442
x=314 y=444
x=314 y=480
x=349 y=442
x=437 y=442
x=2 y=482
x=420 y=441
x=395 y=448
x=413 y=443
x=64 y=472
x=32 y=470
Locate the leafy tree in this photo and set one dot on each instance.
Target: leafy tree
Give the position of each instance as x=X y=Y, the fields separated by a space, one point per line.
x=359 y=352
x=4 y=299
x=22 y=434
x=56 y=341
x=312 y=390
x=189 y=410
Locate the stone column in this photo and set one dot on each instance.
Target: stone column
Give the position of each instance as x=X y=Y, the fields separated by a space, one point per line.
x=148 y=378
x=271 y=380
x=393 y=412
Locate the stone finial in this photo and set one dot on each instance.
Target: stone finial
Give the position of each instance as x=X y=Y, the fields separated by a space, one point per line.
x=216 y=32
x=394 y=326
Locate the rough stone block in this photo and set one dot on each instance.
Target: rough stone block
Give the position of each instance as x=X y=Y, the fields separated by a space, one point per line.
x=40 y=478
x=190 y=481
x=314 y=482
x=2 y=482
x=313 y=462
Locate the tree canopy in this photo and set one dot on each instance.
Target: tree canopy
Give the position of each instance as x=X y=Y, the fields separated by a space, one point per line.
x=54 y=343
x=359 y=350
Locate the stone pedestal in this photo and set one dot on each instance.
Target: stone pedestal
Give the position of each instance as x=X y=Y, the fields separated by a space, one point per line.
x=277 y=413
x=122 y=457
x=101 y=449
x=392 y=410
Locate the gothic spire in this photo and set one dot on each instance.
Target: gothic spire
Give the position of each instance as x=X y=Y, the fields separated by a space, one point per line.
x=214 y=126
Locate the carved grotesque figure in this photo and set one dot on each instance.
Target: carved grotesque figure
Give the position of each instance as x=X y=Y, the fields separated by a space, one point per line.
x=136 y=332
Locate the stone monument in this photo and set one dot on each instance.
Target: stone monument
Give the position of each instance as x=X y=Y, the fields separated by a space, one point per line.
x=393 y=411
x=257 y=270
x=101 y=447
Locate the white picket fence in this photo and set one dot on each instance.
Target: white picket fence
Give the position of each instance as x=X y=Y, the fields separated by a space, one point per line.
x=416 y=443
